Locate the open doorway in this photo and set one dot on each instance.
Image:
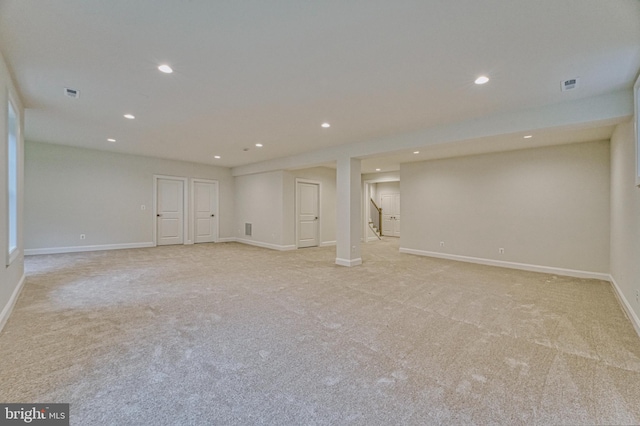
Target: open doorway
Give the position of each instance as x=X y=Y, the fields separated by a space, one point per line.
x=381 y=208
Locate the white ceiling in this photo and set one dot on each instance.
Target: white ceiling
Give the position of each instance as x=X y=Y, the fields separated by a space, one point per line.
x=271 y=72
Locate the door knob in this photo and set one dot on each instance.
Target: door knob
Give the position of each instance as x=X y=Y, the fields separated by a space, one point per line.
x=212 y=215
x=158 y=215
x=316 y=218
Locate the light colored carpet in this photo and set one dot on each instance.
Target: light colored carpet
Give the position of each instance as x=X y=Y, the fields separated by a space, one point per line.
x=233 y=334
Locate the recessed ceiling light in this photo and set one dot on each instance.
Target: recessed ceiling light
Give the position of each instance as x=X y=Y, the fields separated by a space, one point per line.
x=129 y=116
x=416 y=152
x=528 y=136
x=326 y=125
x=111 y=140
x=259 y=145
x=217 y=157
x=482 y=79
x=377 y=170
x=165 y=69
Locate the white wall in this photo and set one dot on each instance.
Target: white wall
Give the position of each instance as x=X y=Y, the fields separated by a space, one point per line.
x=546 y=206
x=267 y=201
x=11 y=277
x=71 y=191
x=259 y=200
x=327 y=179
x=384 y=188
x=625 y=218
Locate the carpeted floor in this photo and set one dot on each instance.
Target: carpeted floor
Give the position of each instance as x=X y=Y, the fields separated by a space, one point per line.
x=233 y=334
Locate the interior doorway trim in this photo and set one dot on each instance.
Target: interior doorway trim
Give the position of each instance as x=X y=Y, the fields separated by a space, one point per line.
x=185 y=201
x=365 y=203
x=297 y=209
x=193 y=208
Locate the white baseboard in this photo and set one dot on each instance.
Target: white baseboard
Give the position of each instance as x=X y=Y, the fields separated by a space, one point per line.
x=626 y=306
x=76 y=249
x=8 y=308
x=347 y=262
x=327 y=243
x=511 y=265
x=227 y=240
x=266 y=245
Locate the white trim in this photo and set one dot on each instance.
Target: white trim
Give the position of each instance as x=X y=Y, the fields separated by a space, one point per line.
x=8 y=308
x=511 y=265
x=193 y=209
x=227 y=240
x=77 y=249
x=328 y=243
x=636 y=125
x=297 y=209
x=366 y=206
x=266 y=245
x=348 y=263
x=13 y=253
x=185 y=214
x=626 y=306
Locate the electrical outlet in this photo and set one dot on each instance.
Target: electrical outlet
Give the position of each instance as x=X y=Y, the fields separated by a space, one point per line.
x=143 y=207
x=637 y=296
x=441 y=243
x=82 y=236
x=501 y=250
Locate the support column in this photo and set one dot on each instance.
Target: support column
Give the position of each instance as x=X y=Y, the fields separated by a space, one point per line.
x=348 y=210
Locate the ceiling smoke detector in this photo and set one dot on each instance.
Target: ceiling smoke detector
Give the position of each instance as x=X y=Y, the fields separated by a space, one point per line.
x=570 y=84
x=71 y=93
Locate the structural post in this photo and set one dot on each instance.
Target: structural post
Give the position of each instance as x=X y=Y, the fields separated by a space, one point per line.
x=349 y=215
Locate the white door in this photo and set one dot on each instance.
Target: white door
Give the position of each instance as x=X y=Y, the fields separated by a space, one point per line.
x=308 y=214
x=170 y=212
x=205 y=195
x=390 y=204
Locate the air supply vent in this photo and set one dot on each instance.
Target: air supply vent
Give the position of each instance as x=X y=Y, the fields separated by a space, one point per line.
x=570 y=84
x=71 y=93
x=247 y=229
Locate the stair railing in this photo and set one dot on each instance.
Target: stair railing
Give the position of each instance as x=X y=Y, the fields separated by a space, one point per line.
x=378 y=216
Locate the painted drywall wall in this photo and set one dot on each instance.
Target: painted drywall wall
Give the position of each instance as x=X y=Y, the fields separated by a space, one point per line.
x=11 y=276
x=267 y=201
x=259 y=200
x=385 y=188
x=546 y=206
x=382 y=176
x=71 y=191
x=625 y=217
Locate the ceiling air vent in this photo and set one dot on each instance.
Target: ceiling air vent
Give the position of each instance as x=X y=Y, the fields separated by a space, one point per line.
x=570 y=84
x=72 y=93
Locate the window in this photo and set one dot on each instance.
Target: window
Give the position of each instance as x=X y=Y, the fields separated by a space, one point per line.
x=636 y=121
x=12 y=183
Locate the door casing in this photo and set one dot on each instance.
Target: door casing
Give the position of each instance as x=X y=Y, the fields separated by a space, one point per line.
x=185 y=208
x=216 y=219
x=297 y=212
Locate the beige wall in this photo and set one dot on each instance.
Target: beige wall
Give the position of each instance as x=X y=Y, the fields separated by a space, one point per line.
x=72 y=191
x=547 y=207
x=10 y=276
x=625 y=216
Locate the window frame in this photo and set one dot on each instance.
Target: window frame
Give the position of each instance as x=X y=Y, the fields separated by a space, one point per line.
x=13 y=174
